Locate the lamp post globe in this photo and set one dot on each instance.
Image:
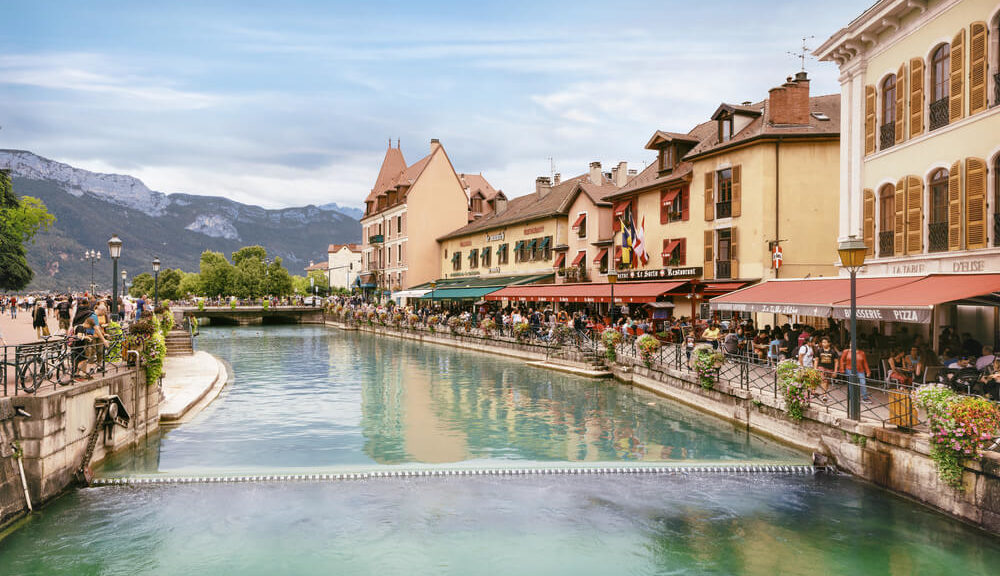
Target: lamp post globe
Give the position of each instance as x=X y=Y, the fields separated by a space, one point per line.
x=852 y=253
x=156 y=283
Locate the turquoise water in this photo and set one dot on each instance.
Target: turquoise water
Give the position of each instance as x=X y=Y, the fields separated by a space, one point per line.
x=306 y=398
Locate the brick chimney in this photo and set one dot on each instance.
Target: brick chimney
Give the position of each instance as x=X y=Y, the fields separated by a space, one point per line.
x=789 y=103
x=543 y=185
x=435 y=144
x=620 y=174
x=595 y=173
x=557 y=179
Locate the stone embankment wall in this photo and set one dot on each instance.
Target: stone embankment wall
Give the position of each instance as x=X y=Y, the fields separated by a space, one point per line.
x=895 y=459
x=54 y=438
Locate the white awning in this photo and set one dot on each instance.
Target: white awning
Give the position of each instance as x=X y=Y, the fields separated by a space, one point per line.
x=409 y=293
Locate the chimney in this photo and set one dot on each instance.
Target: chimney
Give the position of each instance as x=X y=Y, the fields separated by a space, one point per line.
x=435 y=144
x=620 y=174
x=543 y=185
x=633 y=172
x=789 y=103
x=595 y=173
x=557 y=179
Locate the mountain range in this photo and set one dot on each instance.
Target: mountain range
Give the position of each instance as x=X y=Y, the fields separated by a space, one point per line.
x=89 y=207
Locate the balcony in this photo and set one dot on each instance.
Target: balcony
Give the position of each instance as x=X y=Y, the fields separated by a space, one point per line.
x=939 y=113
x=886 y=244
x=996 y=229
x=723 y=270
x=887 y=135
x=723 y=209
x=996 y=88
x=577 y=274
x=937 y=237
x=376 y=239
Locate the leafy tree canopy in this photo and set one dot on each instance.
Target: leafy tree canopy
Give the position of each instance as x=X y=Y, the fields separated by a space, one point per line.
x=20 y=220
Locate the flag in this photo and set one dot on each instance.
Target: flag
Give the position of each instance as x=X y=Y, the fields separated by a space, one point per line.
x=640 y=243
x=626 y=243
x=632 y=239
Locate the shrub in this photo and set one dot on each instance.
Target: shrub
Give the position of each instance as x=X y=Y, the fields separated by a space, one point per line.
x=934 y=398
x=707 y=363
x=796 y=383
x=488 y=325
x=961 y=430
x=453 y=323
x=561 y=334
x=413 y=320
x=201 y=305
x=611 y=338
x=522 y=331
x=648 y=346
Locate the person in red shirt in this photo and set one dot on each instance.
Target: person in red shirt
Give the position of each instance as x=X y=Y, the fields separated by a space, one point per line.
x=863 y=370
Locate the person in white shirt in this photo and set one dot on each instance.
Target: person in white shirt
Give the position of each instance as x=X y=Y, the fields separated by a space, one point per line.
x=806 y=355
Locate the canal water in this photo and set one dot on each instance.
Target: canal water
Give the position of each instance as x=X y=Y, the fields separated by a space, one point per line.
x=315 y=399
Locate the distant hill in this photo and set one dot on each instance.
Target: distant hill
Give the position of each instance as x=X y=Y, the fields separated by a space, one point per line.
x=177 y=228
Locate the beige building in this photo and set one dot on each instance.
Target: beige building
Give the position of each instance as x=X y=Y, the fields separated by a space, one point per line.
x=409 y=207
x=343 y=265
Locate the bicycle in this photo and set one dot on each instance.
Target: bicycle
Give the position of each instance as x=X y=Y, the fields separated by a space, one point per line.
x=46 y=361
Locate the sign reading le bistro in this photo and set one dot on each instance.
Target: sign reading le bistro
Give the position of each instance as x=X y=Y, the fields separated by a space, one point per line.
x=686 y=272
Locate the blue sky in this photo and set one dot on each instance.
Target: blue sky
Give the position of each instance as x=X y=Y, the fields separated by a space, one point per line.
x=293 y=102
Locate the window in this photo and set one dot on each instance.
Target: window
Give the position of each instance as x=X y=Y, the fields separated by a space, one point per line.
x=725 y=128
x=502 y=254
x=399 y=224
x=474 y=258
x=940 y=71
x=888 y=129
x=724 y=200
x=673 y=252
x=487 y=257
x=996 y=199
x=887 y=221
x=722 y=264
x=580 y=224
x=937 y=226
x=456 y=261
x=667 y=158
x=545 y=248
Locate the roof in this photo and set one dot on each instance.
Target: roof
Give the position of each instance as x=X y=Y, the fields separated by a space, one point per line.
x=321 y=265
x=338 y=247
x=477 y=183
x=663 y=136
x=392 y=166
x=651 y=177
x=747 y=109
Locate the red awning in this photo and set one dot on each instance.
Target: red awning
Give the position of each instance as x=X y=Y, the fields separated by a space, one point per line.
x=668 y=198
x=630 y=292
x=723 y=287
x=670 y=248
x=560 y=258
x=579 y=220
x=618 y=252
x=620 y=207
x=600 y=256
x=812 y=297
x=579 y=257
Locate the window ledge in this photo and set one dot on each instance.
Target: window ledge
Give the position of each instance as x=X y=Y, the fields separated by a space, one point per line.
x=928 y=134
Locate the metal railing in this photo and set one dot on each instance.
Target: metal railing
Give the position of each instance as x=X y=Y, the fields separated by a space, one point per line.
x=886 y=243
x=723 y=269
x=939 y=113
x=996 y=229
x=723 y=209
x=996 y=88
x=937 y=237
x=887 y=135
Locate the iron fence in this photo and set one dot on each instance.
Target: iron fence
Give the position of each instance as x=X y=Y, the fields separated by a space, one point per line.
x=886 y=243
x=55 y=362
x=887 y=135
x=939 y=113
x=937 y=237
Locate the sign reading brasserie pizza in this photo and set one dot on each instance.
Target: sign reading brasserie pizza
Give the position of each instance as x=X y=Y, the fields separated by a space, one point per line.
x=683 y=272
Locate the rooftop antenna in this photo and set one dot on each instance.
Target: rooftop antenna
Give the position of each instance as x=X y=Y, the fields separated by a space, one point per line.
x=552 y=169
x=803 y=53
x=397 y=143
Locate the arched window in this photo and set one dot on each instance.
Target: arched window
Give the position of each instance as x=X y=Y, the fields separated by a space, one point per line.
x=937 y=225
x=940 y=71
x=887 y=132
x=886 y=220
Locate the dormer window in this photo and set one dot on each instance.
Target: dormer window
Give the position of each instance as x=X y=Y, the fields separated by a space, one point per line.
x=725 y=128
x=667 y=160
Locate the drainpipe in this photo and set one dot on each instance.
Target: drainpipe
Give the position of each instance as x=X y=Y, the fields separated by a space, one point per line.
x=24 y=481
x=777 y=196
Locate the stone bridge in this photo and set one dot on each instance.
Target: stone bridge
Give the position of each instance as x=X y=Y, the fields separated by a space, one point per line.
x=251 y=315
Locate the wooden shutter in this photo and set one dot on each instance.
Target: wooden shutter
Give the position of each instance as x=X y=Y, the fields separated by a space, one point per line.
x=914 y=215
x=899 y=226
x=955 y=206
x=977 y=68
x=709 y=272
x=975 y=203
x=737 y=191
x=685 y=203
x=683 y=260
x=957 y=77
x=868 y=226
x=734 y=262
x=664 y=210
x=900 y=103
x=869 y=120
x=916 y=97
x=709 y=196
x=663 y=253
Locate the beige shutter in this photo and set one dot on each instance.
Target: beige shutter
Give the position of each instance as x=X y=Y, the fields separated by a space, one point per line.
x=734 y=262
x=914 y=215
x=737 y=192
x=869 y=120
x=709 y=272
x=899 y=228
x=955 y=207
x=956 y=80
x=916 y=97
x=975 y=203
x=709 y=196
x=900 y=103
x=868 y=226
x=977 y=68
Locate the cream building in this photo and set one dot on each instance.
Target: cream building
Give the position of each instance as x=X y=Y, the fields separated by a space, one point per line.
x=343 y=264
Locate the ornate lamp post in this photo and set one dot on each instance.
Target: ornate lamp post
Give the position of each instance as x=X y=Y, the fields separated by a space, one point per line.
x=312 y=288
x=156 y=283
x=613 y=279
x=852 y=256
x=433 y=286
x=94 y=256
x=115 y=251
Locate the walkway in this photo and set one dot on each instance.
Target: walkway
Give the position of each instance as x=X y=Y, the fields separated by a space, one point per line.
x=189 y=384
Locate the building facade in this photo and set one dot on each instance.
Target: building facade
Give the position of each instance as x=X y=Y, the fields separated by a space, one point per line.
x=343 y=265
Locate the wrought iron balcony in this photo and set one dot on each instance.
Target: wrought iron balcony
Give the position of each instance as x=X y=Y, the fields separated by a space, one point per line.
x=888 y=135
x=996 y=229
x=376 y=239
x=723 y=209
x=939 y=113
x=996 y=88
x=937 y=236
x=723 y=269
x=886 y=243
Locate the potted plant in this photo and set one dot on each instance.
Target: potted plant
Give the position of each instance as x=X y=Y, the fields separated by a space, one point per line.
x=648 y=346
x=707 y=362
x=611 y=338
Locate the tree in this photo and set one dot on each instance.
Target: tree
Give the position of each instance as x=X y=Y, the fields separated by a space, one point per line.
x=249 y=253
x=278 y=280
x=170 y=283
x=321 y=280
x=142 y=285
x=20 y=220
x=190 y=284
x=300 y=284
x=216 y=274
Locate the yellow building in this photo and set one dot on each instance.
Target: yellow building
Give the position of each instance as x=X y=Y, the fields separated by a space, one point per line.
x=720 y=198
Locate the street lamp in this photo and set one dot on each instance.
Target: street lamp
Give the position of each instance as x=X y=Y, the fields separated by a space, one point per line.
x=433 y=286
x=94 y=256
x=612 y=279
x=852 y=257
x=312 y=288
x=156 y=283
x=115 y=251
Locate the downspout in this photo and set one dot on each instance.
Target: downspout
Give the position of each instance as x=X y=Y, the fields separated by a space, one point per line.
x=777 y=197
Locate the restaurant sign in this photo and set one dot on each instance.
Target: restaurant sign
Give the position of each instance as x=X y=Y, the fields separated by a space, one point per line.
x=681 y=272
x=495 y=237
x=910 y=315
x=773 y=308
x=462 y=274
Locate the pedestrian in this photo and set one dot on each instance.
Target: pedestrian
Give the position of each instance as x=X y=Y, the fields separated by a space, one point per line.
x=826 y=362
x=62 y=314
x=864 y=371
x=38 y=321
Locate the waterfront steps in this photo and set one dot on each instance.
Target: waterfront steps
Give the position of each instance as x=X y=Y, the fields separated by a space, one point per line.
x=179 y=343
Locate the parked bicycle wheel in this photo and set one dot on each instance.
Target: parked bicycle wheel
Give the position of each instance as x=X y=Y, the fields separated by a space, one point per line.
x=31 y=375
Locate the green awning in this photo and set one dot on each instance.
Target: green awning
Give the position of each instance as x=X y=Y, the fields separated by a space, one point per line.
x=501 y=248
x=456 y=256
x=544 y=243
x=485 y=281
x=531 y=244
x=459 y=293
x=518 y=245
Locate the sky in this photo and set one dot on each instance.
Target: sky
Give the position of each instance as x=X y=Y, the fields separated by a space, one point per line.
x=294 y=102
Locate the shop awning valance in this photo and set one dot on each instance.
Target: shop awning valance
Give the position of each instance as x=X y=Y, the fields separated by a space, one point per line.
x=459 y=293
x=632 y=292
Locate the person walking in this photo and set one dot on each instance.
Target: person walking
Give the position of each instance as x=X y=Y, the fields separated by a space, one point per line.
x=38 y=321
x=864 y=371
x=826 y=363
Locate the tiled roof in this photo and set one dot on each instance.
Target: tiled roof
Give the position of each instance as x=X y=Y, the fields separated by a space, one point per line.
x=651 y=177
x=477 y=183
x=392 y=166
x=321 y=265
x=337 y=247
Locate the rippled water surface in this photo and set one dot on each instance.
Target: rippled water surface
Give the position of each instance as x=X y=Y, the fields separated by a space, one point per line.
x=307 y=398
